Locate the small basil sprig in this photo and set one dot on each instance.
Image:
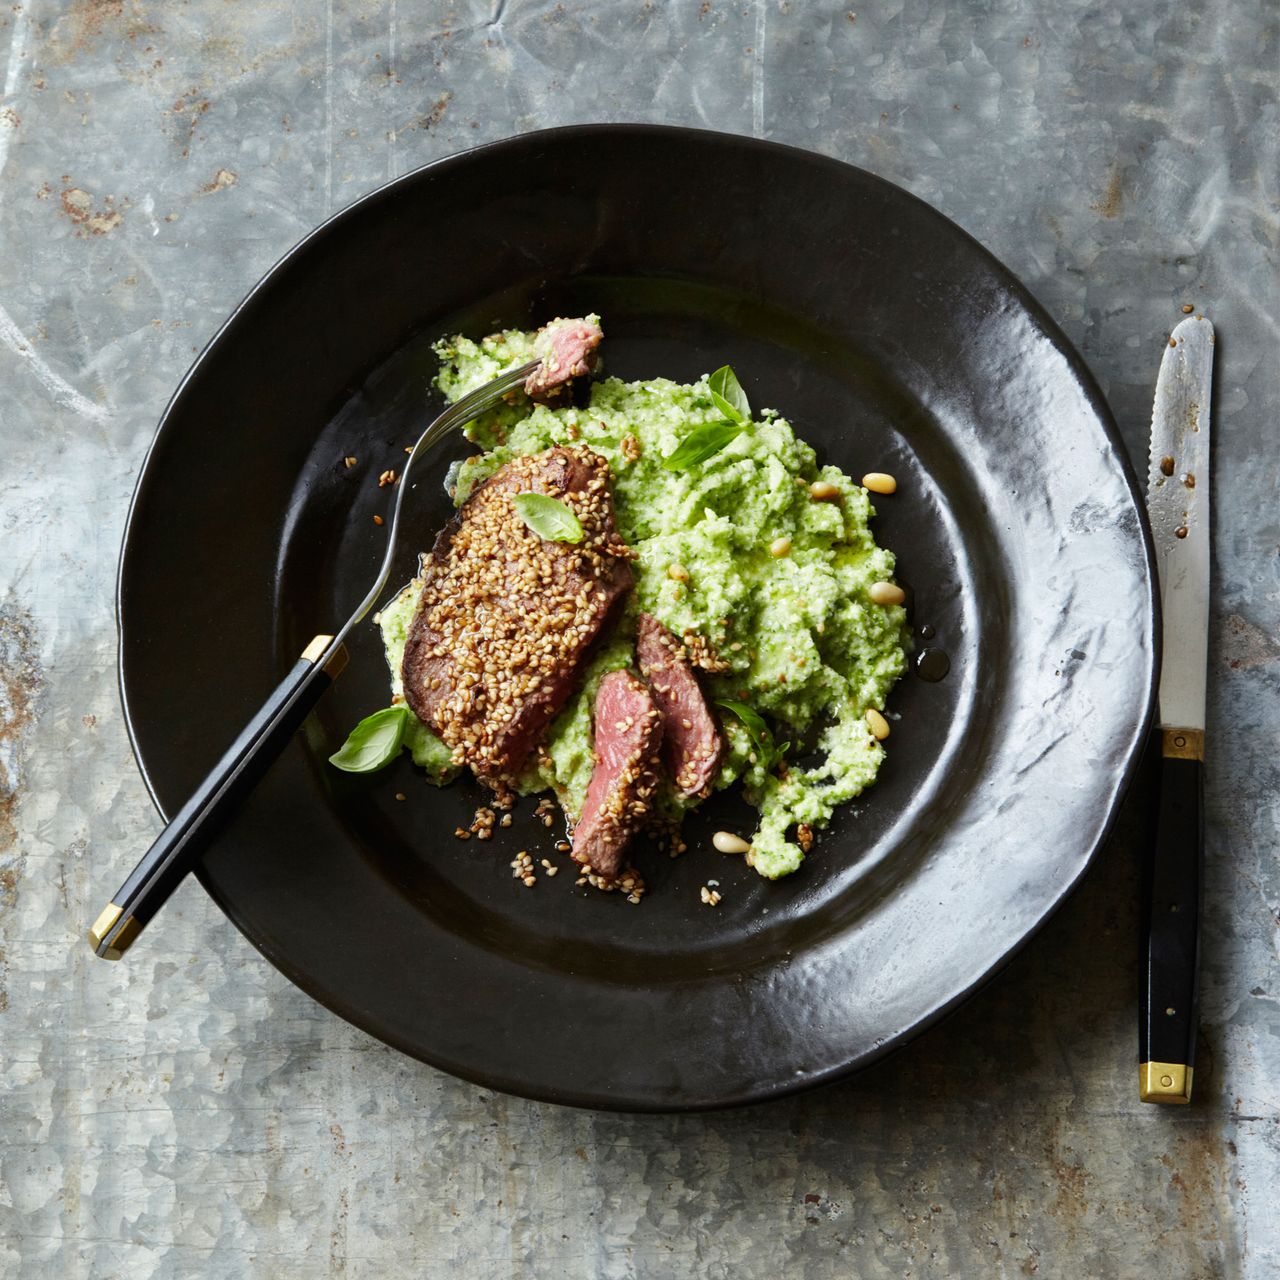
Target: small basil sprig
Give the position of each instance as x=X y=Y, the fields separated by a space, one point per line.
x=728 y=395
x=707 y=440
x=548 y=517
x=374 y=742
x=761 y=739
x=701 y=443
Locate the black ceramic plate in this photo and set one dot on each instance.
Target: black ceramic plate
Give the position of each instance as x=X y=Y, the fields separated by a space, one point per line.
x=893 y=342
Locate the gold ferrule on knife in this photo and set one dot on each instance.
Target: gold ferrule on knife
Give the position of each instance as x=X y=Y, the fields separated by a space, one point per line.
x=1168 y=1082
x=1182 y=744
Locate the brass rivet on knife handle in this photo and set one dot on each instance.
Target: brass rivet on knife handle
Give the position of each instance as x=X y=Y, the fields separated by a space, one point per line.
x=1182 y=744
x=313 y=652
x=1168 y=1082
x=123 y=939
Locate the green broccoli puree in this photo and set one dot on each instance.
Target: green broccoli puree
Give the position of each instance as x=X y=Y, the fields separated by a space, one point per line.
x=805 y=646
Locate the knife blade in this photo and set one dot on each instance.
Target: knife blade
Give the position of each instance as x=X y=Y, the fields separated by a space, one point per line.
x=1178 y=506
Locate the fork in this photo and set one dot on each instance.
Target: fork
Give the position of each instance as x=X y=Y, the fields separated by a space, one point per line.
x=182 y=842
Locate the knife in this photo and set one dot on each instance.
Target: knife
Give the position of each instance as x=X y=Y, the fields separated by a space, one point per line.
x=1178 y=505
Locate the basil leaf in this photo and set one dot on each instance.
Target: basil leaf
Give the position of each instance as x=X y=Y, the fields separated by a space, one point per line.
x=701 y=443
x=728 y=395
x=548 y=517
x=374 y=742
x=756 y=729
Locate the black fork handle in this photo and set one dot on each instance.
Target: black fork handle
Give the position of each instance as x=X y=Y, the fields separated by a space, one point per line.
x=180 y=845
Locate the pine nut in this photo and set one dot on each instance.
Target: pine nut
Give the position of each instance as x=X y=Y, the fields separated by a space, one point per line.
x=878 y=725
x=678 y=572
x=779 y=547
x=879 y=482
x=886 y=593
x=823 y=491
x=727 y=842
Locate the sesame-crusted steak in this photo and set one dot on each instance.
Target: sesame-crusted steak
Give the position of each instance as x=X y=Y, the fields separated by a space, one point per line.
x=691 y=744
x=628 y=741
x=506 y=617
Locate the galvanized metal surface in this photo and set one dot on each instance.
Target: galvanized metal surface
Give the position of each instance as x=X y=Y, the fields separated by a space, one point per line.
x=188 y=1112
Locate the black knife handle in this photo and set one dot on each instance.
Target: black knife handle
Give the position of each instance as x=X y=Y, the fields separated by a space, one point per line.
x=244 y=764
x=1167 y=1027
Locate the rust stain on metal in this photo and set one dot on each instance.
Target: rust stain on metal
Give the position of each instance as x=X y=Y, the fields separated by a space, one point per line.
x=223 y=179
x=1198 y=1173
x=1245 y=646
x=20 y=684
x=89 y=24
x=78 y=206
x=1070 y=1177
x=1112 y=200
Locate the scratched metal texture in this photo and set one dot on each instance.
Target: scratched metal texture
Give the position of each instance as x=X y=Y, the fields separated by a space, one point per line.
x=189 y=1112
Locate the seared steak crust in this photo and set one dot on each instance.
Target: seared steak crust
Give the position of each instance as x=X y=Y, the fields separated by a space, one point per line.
x=507 y=618
x=691 y=744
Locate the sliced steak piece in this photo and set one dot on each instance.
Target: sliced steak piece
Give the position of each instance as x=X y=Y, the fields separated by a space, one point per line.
x=507 y=618
x=691 y=745
x=567 y=349
x=628 y=740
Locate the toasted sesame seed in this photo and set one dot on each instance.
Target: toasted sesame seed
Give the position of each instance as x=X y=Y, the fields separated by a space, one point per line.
x=377 y=519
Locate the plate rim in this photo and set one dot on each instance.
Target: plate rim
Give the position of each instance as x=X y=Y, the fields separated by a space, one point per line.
x=1063 y=347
